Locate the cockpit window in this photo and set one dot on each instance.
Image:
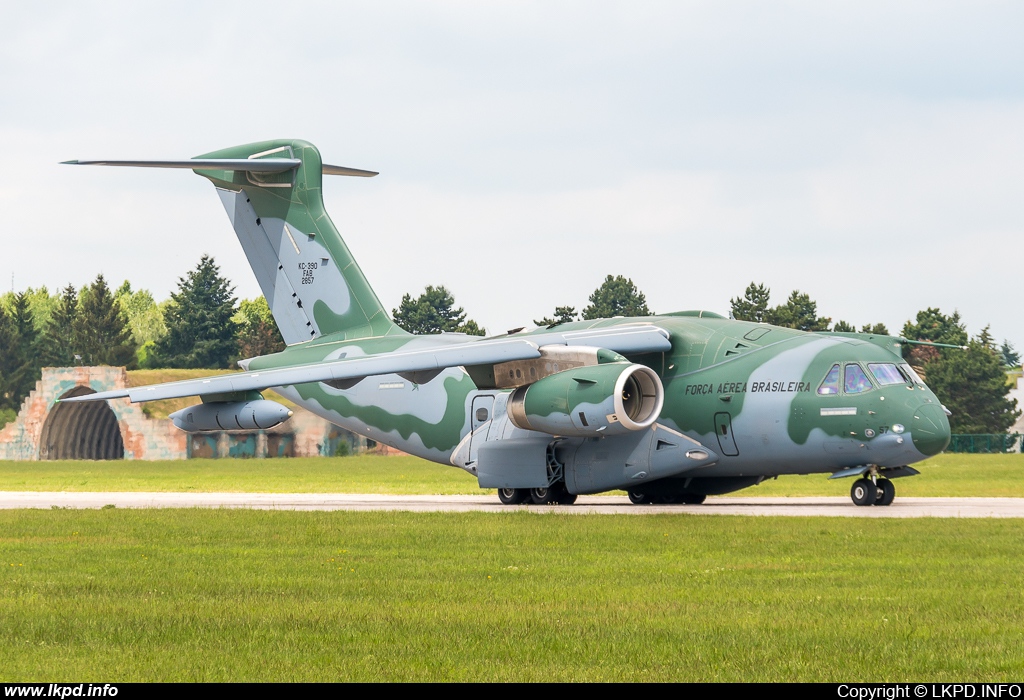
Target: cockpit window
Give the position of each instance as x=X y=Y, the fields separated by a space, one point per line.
x=856 y=380
x=886 y=374
x=831 y=383
x=911 y=374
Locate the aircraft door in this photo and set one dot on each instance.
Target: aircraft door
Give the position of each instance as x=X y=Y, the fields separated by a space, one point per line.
x=480 y=416
x=726 y=439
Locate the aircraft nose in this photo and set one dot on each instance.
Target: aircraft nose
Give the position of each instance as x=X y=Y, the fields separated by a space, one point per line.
x=930 y=429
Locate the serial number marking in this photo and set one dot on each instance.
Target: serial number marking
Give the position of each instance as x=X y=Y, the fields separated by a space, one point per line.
x=391 y=385
x=307 y=269
x=839 y=411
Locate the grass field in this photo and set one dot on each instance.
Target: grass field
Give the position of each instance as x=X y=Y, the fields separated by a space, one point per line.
x=105 y=595
x=946 y=475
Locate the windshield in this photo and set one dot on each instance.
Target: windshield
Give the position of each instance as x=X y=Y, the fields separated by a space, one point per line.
x=831 y=383
x=856 y=380
x=886 y=374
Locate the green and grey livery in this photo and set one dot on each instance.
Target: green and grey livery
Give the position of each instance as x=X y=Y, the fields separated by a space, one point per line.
x=669 y=408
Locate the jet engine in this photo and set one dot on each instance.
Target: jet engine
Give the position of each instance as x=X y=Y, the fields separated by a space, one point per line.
x=258 y=414
x=606 y=399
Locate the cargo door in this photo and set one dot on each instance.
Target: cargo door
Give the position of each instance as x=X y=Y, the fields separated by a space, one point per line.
x=480 y=423
x=726 y=440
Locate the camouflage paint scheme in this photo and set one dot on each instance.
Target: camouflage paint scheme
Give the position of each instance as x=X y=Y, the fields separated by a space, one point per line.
x=746 y=394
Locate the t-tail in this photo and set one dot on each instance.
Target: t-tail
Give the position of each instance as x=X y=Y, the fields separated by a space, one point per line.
x=272 y=192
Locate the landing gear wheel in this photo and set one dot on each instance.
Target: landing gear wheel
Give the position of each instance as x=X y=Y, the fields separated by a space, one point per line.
x=567 y=499
x=692 y=499
x=551 y=494
x=886 y=492
x=638 y=498
x=513 y=497
x=864 y=493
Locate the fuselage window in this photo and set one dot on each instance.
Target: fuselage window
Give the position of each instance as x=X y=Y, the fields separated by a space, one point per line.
x=831 y=383
x=886 y=374
x=856 y=380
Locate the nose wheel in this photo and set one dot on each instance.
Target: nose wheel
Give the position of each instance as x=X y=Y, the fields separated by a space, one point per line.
x=865 y=492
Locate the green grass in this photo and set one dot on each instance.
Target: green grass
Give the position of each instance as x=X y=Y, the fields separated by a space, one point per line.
x=356 y=474
x=1000 y=475
x=206 y=595
x=945 y=475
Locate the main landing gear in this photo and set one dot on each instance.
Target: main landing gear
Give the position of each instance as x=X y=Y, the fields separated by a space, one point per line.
x=877 y=492
x=641 y=498
x=556 y=494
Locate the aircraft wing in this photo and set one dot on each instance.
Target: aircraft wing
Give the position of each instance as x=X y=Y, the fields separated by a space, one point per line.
x=483 y=352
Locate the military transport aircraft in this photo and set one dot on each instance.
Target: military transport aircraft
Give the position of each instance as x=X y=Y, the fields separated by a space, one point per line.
x=670 y=408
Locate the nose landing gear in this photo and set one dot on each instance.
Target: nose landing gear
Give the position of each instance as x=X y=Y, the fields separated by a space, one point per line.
x=872 y=492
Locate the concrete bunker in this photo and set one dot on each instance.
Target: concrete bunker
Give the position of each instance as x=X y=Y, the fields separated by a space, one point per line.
x=87 y=430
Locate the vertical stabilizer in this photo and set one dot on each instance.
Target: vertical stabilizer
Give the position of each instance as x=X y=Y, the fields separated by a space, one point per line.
x=313 y=285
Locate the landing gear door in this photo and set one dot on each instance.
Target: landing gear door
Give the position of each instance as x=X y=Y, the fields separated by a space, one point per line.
x=480 y=423
x=726 y=440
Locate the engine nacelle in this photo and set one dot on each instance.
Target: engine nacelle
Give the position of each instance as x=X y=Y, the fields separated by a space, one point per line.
x=607 y=399
x=258 y=414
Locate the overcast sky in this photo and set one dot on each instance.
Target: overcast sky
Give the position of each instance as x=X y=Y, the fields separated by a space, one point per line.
x=869 y=154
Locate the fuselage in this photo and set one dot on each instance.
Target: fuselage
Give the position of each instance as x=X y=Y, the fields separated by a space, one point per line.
x=766 y=400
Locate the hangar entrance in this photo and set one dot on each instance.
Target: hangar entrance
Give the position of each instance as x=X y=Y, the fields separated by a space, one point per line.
x=81 y=430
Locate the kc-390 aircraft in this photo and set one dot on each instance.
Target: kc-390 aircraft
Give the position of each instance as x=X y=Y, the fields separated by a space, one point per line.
x=670 y=408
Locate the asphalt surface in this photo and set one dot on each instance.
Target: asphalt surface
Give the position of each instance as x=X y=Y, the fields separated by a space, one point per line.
x=800 y=506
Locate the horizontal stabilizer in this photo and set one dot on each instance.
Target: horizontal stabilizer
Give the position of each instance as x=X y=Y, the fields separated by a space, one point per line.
x=249 y=165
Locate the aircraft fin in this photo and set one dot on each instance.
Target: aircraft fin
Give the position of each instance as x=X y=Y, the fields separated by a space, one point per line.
x=272 y=193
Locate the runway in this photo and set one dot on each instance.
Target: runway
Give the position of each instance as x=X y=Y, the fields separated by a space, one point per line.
x=488 y=503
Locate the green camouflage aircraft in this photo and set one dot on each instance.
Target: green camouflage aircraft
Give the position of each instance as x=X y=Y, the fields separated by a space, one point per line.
x=670 y=408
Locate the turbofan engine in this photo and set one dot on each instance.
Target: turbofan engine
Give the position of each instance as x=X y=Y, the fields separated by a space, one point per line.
x=605 y=399
x=258 y=414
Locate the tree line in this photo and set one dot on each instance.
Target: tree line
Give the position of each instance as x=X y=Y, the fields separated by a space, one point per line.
x=203 y=325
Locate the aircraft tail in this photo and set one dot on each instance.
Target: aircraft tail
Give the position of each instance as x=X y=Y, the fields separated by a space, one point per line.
x=273 y=195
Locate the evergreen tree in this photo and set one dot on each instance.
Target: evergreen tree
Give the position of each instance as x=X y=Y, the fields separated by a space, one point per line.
x=798 y=312
x=876 y=329
x=24 y=369
x=100 y=330
x=617 y=296
x=58 y=345
x=8 y=360
x=563 y=314
x=753 y=305
x=200 y=332
x=434 y=312
x=934 y=326
x=257 y=332
x=1011 y=358
x=972 y=384
x=844 y=327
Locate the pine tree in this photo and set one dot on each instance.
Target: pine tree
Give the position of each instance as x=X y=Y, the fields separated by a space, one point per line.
x=972 y=384
x=24 y=370
x=8 y=360
x=799 y=312
x=934 y=326
x=100 y=330
x=200 y=332
x=844 y=327
x=563 y=314
x=875 y=329
x=58 y=345
x=434 y=312
x=753 y=305
x=617 y=296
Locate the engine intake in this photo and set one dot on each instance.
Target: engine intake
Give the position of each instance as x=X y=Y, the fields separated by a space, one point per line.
x=607 y=399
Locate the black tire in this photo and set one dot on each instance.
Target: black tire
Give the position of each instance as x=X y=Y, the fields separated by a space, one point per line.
x=567 y=499
x=863 y=492
x=693 y=499
x=552 y=494
x=638 y=498
x=513 y=497
x=886 y=492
